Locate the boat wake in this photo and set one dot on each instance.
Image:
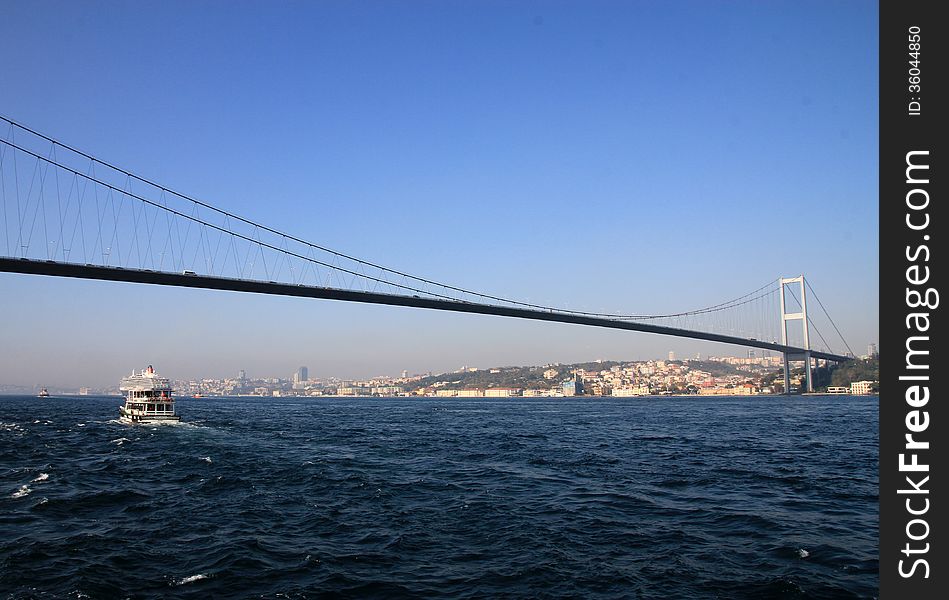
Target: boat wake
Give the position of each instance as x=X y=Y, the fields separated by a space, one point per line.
x=182 y=424
x=167 y=424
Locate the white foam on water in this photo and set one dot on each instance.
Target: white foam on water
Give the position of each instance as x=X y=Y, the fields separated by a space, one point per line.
x=41 y=477
x=120 y=441
x=206 y=459
x=184 y=424
x=190 y=579
x=803 y=553
x=23 y=491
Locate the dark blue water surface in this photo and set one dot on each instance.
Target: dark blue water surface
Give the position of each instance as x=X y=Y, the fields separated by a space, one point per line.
x=465 y=498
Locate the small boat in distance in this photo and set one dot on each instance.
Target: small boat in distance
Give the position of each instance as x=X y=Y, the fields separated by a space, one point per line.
x=148 y=399
x=44 y=393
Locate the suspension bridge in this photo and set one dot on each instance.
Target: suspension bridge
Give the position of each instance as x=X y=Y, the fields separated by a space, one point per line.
x=67 y=213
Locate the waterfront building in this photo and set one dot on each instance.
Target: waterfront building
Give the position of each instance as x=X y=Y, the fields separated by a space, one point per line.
x=388 y=390
x=573 y=387
x=353 y=391
x=743 y=389
x=601 y=389
x=630 y=391
x=861 y=387
x=501 y=392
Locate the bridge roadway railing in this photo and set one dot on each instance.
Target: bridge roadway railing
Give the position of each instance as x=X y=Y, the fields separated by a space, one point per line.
x=188 y=279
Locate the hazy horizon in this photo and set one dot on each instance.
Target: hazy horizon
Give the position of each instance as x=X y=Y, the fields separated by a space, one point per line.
x=355 y=372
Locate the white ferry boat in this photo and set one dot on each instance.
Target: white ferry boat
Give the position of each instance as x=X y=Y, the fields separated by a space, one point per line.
x=148 y=399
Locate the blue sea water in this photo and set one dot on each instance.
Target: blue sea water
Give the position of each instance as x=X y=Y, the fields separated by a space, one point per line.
x=768 y=497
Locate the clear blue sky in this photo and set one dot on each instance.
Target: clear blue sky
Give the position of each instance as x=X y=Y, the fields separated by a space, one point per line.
x=636 y=156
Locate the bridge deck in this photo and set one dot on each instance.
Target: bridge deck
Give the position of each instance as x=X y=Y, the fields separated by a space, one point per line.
x=60 y=269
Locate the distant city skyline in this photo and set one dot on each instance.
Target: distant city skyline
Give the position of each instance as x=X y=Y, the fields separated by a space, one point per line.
x=609 y=156
x=301 y=374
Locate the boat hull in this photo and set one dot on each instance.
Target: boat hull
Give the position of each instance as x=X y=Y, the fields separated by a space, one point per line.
x=133 y=418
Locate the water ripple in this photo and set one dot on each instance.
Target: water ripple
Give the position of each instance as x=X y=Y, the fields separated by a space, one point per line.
x=469 y=498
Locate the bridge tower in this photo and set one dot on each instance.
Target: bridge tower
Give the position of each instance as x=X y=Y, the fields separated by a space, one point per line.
x=795 y=316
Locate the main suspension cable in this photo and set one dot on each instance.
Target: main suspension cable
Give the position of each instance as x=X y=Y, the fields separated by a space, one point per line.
x=228 y=215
